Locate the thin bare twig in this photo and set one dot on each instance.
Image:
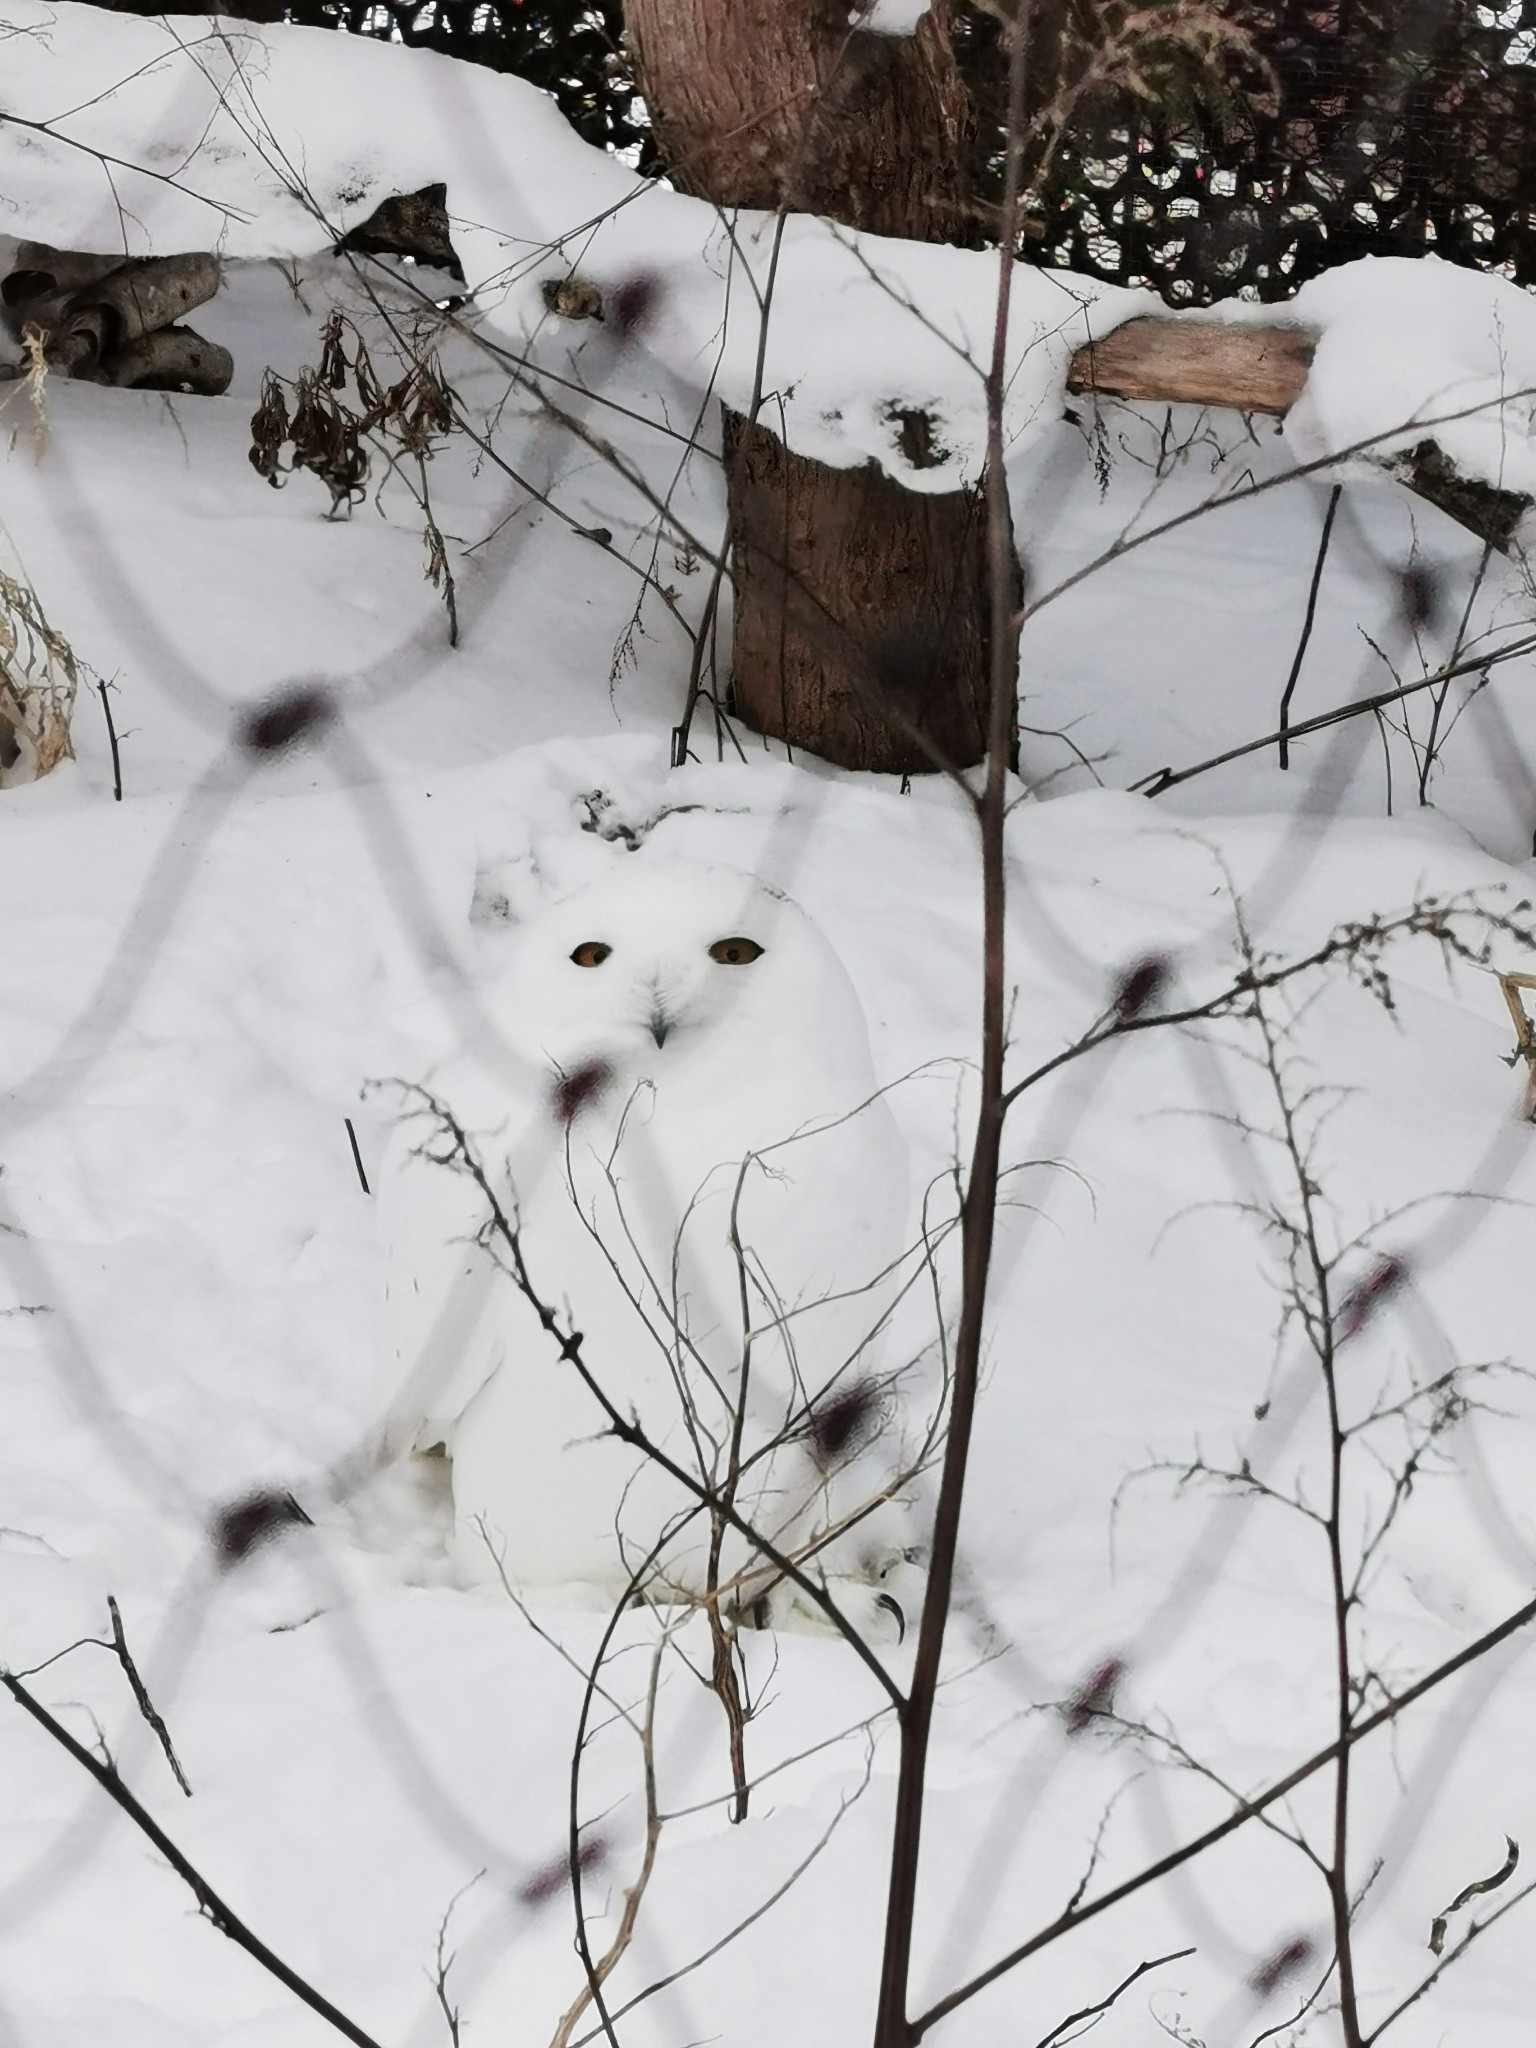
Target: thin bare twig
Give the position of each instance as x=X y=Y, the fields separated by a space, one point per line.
x=142 y=1700
x=1306 y=625
x=603 y=1967
x=1471 y=1653
x=1102 y=2005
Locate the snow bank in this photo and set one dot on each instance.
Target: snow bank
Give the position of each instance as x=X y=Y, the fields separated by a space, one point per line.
x=187 y=132
x=361 y=1746
x=1403 y=340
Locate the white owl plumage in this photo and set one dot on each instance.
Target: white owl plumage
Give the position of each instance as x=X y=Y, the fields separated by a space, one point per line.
x=675 y=1105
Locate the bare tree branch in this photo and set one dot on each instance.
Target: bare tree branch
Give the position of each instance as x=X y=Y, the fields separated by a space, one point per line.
x=223 y=1916
x=1471 y=1653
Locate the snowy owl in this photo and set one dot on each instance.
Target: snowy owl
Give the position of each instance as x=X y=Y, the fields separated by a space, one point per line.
x=675 y=1112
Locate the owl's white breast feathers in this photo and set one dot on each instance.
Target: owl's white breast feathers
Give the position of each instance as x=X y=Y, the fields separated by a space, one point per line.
x=683 y=1129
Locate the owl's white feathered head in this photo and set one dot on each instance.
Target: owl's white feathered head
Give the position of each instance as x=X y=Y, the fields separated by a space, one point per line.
x=664 y=964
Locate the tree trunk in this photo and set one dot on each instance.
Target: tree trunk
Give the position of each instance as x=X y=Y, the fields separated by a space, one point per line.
x=860 y=616
x=771 y=103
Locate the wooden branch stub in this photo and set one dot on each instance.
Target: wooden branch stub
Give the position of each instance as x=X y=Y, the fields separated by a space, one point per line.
x=1482 y=508
x=1198 y=362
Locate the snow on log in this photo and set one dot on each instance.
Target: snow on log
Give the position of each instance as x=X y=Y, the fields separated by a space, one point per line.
x=1265 y=369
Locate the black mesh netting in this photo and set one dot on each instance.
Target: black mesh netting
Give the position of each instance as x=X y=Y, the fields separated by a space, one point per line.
x=1365 y=127
x=1381 y=130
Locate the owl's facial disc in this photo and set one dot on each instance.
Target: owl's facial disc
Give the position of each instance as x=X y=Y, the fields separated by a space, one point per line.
x=646 y=965
x=735 y=951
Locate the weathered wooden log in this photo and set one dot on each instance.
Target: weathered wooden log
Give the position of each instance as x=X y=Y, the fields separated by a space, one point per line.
x=173 y=359
x=93 y=312
x=1198 y=362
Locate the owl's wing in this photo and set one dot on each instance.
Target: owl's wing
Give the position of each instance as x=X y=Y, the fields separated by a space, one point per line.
x=452 y=1308
x=443 y=1295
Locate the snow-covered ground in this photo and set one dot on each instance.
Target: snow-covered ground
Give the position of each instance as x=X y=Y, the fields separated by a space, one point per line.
x=203 y=977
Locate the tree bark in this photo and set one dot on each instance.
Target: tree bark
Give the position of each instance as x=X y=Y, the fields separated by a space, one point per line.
x=861 y=610
x=770 y=103
x=860 y=626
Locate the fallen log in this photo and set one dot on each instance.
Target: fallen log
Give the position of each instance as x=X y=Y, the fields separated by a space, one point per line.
x=1198 y=362
x=112 y=319
x=1264 y=369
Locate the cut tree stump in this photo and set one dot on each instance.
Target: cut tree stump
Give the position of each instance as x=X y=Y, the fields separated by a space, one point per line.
x=861 y=609
x=861 y=620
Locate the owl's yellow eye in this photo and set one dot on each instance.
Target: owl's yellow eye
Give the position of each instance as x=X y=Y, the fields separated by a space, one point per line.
x=591 y=953
x=737 y=952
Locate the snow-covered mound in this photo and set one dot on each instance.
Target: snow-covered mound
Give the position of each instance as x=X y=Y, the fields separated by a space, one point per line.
x=211 y=980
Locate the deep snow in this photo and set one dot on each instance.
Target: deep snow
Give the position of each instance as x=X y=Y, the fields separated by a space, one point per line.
x=203 y=977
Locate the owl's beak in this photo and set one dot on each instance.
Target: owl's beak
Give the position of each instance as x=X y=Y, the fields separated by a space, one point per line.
x=661 y=1024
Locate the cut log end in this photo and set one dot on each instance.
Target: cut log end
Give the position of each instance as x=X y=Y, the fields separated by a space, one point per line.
x=1198 y=362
